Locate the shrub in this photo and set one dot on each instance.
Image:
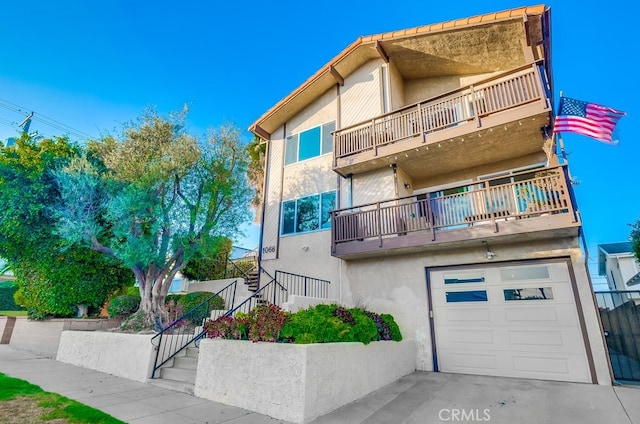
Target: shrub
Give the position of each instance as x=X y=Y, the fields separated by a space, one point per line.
x=319 y=324
x=396 y=336
x=365 y=330
x=228 y=328
x=7 y=302
x=123 y=306
x=189 y=301
x=266 y=322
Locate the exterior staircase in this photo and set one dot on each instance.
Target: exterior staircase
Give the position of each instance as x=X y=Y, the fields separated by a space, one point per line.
x=179 y=373
x=251 y=280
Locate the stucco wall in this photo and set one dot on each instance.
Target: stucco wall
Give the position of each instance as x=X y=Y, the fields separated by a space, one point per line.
x=297 y=383
x=296 y=303
x=308 y=254
x=43 y=337
x=373 y=186
x=123 y=355
x=309 y=177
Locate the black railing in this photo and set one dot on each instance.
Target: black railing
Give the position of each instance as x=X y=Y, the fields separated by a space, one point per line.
x=620 y=317
x=302 y=285
x=271 y=293
x=187 y=329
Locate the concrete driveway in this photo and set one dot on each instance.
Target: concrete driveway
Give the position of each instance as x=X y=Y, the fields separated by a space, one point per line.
x=426 y=398
x=421 y=397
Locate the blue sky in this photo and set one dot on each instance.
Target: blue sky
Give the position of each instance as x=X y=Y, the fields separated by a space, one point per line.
x=94 y=65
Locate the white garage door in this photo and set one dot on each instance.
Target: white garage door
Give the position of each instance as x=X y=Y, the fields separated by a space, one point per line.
x=509 y=320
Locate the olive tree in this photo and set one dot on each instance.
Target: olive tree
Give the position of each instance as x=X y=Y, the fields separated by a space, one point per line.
x=153 y=197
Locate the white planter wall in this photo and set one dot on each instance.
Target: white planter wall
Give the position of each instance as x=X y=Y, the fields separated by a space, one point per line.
x=120 y=354
x=298 y=383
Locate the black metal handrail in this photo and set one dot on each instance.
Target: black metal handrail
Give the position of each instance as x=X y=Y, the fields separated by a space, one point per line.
x=302 y=285
x=187 y=329
x=271 y=293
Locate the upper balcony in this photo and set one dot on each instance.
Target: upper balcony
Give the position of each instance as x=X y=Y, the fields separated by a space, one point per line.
x=524 y=206
x=515 y=103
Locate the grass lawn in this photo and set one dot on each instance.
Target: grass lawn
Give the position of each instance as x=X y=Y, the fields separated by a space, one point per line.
x=14 y=313
x=23 y=402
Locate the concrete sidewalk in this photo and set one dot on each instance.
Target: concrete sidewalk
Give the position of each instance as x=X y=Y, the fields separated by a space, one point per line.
x=421 y=397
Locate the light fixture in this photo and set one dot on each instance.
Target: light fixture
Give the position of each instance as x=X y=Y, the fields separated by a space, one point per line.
x=407 y=186
x=488 y=254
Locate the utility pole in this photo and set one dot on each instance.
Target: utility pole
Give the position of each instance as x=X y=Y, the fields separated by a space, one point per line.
x=26 y=123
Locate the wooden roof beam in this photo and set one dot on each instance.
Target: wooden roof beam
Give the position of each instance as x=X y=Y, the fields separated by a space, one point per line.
x=381 y=51
x=261 y=133
x=335 y=74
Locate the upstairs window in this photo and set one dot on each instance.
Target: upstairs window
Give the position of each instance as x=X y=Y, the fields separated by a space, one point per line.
x=309 y=144
x=308 y=213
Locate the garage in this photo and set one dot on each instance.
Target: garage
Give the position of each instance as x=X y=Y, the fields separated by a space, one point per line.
x=517 y=319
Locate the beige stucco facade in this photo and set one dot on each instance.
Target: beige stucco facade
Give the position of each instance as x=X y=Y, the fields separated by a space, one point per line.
x=366 y=90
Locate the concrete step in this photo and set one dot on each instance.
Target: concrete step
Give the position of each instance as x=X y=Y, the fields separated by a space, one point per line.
x=192 y=352
x=178 y=374
x=186 y=362
x=178 y=386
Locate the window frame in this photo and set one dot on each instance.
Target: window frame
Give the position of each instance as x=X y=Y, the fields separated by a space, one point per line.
x=320 y=213
x=323 y=147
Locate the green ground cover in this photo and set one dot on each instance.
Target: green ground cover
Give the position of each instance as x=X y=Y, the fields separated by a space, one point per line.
x=23 y=402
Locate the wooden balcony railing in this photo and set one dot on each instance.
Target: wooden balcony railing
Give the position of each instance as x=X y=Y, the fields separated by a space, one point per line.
x=518 y=87
x=529 y=195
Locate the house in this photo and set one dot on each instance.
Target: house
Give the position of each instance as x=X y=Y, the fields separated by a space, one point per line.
x=417 y=172
x=618 y=264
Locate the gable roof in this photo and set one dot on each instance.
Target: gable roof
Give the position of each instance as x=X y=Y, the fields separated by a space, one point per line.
x=326 y=76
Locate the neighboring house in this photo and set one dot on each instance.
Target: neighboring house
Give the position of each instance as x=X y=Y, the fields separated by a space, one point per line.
x=417 y=172
x=618 y=264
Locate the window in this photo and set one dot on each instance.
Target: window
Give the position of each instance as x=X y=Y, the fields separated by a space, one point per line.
x=531 y=273
x=540 y=293
x=309 y=144
x=463 y=277
x=467 y=296
x=309 y=213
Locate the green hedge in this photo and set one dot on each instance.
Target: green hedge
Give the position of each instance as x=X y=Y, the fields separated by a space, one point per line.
x=7 y=303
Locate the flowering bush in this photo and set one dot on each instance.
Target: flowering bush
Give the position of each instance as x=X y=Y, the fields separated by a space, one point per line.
x=226 y=327
x=319 y=324
x=266 y=322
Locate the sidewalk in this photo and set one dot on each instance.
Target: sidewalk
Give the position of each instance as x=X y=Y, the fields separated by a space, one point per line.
x=419 y=398
x=127 y=400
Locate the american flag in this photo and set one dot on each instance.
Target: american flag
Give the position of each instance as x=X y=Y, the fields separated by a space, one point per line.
x=586 y=118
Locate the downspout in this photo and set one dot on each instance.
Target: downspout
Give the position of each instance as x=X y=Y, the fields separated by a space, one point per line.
x=267 y=162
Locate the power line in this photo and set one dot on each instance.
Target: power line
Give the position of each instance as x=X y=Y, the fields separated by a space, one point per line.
x=48 y=121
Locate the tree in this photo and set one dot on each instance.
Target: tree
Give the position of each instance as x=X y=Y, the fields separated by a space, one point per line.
x=153 y=198
x=255 y=173
x=210 y=263
x=634 y=238
x=53 y=278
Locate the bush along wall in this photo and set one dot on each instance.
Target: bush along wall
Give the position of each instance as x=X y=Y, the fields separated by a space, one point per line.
x=319 y=324
x=7 y=303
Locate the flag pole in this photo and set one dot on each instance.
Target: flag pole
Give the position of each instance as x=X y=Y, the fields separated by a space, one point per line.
x=559 y=135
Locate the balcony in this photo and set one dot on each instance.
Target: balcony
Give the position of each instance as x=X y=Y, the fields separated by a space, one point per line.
x=515 y=101
x=530 y=205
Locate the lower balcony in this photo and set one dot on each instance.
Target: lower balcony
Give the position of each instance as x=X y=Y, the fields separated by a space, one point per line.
x=528 y=206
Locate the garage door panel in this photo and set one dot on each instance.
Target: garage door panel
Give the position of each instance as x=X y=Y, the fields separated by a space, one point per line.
x=553 y=314
x=504 y=340
x=526 y=326
x=473 y=363
x=466 y=315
